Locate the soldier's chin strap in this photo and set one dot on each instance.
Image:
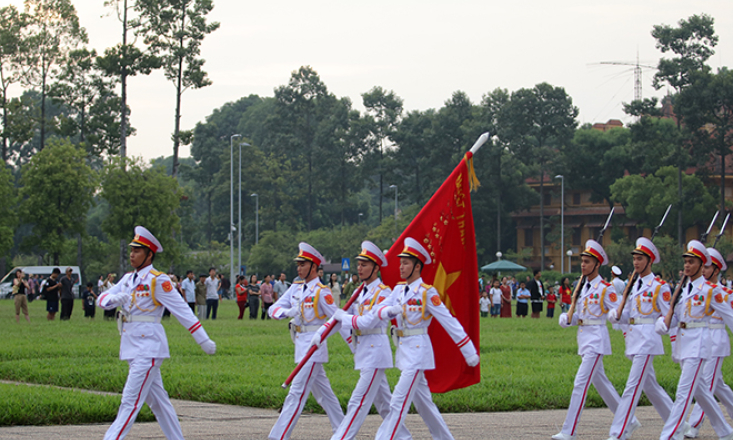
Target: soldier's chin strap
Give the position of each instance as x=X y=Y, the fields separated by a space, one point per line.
x=415 y=261
x=371 y=274
x=142 y=265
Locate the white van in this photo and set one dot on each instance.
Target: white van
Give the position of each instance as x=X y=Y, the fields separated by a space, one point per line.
x=6 y=284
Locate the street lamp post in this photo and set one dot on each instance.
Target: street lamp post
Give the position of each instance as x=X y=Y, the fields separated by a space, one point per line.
x=360 y=214
x=257 y=218
x=239 y=223
x=395 y=210
x=231 y=209
x=570 y=256
x=562 y=220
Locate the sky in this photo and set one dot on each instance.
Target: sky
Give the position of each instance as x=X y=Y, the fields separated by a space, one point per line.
x=422 y=50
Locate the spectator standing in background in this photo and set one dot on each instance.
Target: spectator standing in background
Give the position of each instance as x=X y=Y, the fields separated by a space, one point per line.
x=321 y=276
x=100 y=284
x=20 y=292
x=241 y=291
x=88 y=298
x=495 y=295
x=201 y=297
x=551 y=300
x=566 y=292
x=51 y=290
x=506 y=299
x=333 y=284
x=537 y=293
x=523 y=296
x=266 y=293
x=226 y=286
x=67 y=295
x=484 y=303
x=212 y=294
x=280 y=286
x=253 y=295
x=189 y=290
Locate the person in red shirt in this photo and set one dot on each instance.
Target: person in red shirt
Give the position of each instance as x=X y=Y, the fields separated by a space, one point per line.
x=551 y=300
x=566 y=292
x=241 y=290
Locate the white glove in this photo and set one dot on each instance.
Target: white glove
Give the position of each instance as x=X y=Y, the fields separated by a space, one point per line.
x=660 y=327
x=316 y=340
x=613 y=316
x=208 y=346
x=393 y=311
x=472 y=361
x=563 y=320
x=291 y=313
x=340 y=315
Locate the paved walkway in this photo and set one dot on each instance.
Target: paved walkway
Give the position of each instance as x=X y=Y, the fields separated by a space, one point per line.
x=203 y=421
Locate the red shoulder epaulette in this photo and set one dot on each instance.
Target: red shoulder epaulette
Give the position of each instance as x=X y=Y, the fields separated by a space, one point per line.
x=710 y=284
x=605 y=283
x=660 y=281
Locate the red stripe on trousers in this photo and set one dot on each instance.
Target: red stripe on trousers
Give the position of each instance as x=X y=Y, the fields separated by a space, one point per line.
x=136 y=400
x=297 y=410
x=636 y=390
x=585 y=392
x=360 y=404
x=407 y=397
x=687 y=401
x=712 y=386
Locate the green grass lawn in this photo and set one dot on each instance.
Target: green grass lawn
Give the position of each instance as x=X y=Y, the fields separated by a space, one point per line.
x=525 y=364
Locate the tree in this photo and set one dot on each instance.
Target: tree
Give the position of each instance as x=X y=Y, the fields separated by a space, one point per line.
x=8 y=209
x=56 y=193
x=94 y=116
x=537 y=122
x=139 y=195
x=692 y=41
x=707 y=108
x=174 y=31
x=12 y=47
x=383 y=112
x=125 y=60
x=53 y=31
x=633 y=193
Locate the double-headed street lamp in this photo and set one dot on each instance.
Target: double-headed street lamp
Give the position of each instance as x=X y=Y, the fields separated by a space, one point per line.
x=562 y=220
x=239 y=223
x=231 y=208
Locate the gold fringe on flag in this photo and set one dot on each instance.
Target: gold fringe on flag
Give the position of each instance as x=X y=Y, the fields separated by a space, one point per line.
x=472 y=179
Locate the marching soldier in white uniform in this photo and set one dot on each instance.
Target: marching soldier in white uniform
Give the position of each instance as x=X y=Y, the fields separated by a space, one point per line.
x=692 y=315
x=595 y=299
x=310 y=304
x=647 y=301
x=414 y=304
x=142 y=296
x=719 y=348
x=373 y=354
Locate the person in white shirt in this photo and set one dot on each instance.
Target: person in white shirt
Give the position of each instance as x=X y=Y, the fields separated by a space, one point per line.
x=189 y=290
x=212 y=293
x=495 y=299
x=484 y=304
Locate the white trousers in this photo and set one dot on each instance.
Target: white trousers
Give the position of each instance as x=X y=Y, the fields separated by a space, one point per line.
x=641 y=378
x=691 y=384
x=310 y=379
x=144 y=385
x=713 y=375
x=590 y=372
x=413 y=388
x=371 y=388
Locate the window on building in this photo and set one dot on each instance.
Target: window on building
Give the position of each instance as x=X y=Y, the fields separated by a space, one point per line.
x=528 y=238
x=548 y=199
x=576 y=198
x=576 y=237
x=633 y=233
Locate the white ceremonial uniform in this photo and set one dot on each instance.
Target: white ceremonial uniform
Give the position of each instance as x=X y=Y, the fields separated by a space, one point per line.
x=373 y=355
x=143 y=296
x=648 y=300
x=315 y=305
x=692 y=316
x=719 y=350
x=420 y=303
x=595 y=299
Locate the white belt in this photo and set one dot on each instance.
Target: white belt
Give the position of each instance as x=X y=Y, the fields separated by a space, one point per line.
x=716 y=325
x=306 y=328
x=402 y=333
x=371 y=331
x=140 y=318
x=591 y=321
x=692 y=324
x=640 y=321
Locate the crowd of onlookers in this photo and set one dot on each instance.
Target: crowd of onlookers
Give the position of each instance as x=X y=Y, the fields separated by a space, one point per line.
x=531 y=296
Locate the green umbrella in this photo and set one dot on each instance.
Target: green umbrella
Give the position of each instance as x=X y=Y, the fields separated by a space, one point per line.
x=503 y=266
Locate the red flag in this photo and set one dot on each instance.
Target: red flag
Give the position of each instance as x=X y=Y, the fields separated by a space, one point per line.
x=445 y=228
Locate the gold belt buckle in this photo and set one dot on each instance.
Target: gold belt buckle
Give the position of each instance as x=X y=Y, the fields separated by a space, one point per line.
x=298 y=329
x=580 y=322
x=631 y=321
x=357 y=332
x=683 y=325
x=400 y=334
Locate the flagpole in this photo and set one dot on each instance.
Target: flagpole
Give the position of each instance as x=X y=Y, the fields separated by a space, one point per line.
x=479 y=142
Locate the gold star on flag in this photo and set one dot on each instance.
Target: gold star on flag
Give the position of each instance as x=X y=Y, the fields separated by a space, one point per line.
x=442 y=283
